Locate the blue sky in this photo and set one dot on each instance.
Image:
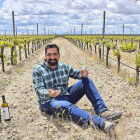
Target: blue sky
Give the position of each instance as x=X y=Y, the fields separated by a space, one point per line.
x=63 y=16
x=1 y=2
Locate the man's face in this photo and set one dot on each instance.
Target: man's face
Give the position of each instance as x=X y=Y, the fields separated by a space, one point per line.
x=52 y=57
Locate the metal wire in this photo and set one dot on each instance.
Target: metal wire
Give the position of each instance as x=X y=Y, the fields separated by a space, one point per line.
x=120 y=62
x=14 y=55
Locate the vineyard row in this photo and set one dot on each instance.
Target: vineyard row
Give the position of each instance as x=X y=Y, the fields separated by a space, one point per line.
x=18 y=45
x=126 y=44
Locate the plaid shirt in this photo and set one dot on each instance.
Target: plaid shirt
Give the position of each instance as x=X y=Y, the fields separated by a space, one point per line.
x=44 y=78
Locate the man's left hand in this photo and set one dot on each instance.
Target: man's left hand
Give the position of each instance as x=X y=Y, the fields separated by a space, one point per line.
x=84 y=73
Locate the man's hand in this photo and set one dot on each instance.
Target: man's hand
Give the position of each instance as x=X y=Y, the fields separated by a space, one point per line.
x=54 y=93
x=84 y=73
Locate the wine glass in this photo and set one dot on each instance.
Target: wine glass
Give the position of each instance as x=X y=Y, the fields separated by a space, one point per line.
x=83 y=63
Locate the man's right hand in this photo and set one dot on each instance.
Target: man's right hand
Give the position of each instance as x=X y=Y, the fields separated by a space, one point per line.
x=54 y=93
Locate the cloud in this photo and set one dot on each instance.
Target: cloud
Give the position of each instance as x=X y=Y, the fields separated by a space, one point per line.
x=111 y=5
x=64 y=15
x=76 y=5
x=75 y=16
x=36 y=1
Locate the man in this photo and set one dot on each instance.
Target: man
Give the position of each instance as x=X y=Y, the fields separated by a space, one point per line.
x=50 y=79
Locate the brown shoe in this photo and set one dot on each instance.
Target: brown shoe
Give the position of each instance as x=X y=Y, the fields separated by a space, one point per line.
x=110 y=115
x=108 y=128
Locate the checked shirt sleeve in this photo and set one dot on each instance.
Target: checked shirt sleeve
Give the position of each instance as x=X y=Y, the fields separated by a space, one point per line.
x=39 y=85
x=74 y=73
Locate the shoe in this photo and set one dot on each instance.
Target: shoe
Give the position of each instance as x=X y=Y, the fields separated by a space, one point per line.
x=108 y=127
x=110 y=115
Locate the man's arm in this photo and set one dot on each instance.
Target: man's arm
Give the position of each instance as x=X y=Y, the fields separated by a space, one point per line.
x=74 y=73
x=77 y=74
x=39 y=85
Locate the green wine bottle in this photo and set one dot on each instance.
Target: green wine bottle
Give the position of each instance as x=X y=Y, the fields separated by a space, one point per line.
x=5 y=109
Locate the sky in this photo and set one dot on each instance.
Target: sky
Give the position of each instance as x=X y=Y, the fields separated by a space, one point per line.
x=67 y=16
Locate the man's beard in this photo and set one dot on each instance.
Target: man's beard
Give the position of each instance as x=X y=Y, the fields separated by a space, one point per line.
x=52 y=62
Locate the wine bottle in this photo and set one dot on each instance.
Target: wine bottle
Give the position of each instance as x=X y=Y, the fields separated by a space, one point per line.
x=5 y=109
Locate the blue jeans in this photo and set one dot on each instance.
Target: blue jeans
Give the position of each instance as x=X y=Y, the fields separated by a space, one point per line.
x=77 y=91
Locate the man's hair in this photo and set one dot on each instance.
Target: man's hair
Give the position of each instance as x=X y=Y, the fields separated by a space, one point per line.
x=51 y=46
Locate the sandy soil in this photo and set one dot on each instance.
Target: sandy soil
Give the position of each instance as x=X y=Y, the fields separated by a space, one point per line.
x=27 y=122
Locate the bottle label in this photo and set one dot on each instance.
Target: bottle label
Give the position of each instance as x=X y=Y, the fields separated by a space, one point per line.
x=5 y=113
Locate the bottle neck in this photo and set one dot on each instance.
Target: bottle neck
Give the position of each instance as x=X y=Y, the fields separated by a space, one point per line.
x=3 y=99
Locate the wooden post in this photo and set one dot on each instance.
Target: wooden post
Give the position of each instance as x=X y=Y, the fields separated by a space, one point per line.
x=12 y=49
x=16 y=31
x=131 y=31
x=81 y=35
x=13 y=23
x=123 y=31
x=81 y=29
x=103 y=34
x=27 y=32
x=44 y=31
x=37 y=29
x=5 y=32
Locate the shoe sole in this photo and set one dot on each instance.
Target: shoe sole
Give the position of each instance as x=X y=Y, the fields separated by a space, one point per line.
x=113 y=117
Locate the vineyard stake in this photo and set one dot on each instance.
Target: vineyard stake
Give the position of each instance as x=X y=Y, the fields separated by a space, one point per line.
x=13 y=24
x=37 y=29
x=103 y=34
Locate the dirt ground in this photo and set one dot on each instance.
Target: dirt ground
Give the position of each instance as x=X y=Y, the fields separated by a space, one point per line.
x=28 y=123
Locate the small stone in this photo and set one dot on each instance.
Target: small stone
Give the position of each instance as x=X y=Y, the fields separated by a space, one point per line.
x=31 y=99
x=31 y=120
x=75 y=128
x=15 y=131
x=8 y=132
x=110 y=96
x=9 y=137
x=128 y=115
x=15 y=106
x=36 y=124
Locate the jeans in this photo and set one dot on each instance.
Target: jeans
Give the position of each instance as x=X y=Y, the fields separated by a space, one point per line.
x=77 y=91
